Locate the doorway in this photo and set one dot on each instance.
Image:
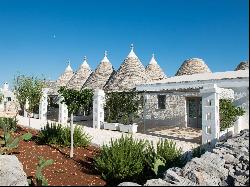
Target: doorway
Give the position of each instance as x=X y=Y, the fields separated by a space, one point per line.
x=194 y=112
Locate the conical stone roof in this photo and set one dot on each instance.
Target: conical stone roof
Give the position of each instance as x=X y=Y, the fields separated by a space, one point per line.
x=242 y=66
x=65 y=77
x=130 y=73
x=154 y=71
x=80 y=77
x=101 y=75
x=193 y=66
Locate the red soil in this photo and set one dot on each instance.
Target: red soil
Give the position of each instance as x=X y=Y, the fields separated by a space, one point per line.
x=76 y=171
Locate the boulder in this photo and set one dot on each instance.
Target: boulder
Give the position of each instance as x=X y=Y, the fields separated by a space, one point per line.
x=128 y=184
x=157 y=182
x=11 y=171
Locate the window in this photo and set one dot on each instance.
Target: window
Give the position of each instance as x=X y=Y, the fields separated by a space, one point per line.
x=161 y=101
x=8 y=98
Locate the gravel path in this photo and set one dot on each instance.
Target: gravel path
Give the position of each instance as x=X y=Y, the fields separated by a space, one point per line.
x=102 y=136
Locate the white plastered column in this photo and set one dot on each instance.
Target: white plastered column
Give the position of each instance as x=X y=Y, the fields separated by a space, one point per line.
x=63 y=111
x=210 y=114
x=43 y=105
x=98 y=109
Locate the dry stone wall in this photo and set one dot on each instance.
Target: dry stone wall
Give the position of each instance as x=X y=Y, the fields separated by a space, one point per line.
x=226 y=165
x=175 y=112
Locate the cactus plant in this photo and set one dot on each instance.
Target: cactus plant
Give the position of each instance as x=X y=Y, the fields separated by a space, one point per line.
x=7 y=142
x=40 y=179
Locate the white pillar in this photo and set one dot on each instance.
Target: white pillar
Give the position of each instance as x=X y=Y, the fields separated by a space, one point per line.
x=98 y=108
x=210 y=114
x=63 y=112
x=26 y=107
x=43 y=105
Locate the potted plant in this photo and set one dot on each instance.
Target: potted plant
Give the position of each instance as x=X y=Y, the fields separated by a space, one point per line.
x=111 y=126
x=128 y=125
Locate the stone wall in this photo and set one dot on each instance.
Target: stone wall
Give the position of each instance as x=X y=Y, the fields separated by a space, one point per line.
x=173 y=115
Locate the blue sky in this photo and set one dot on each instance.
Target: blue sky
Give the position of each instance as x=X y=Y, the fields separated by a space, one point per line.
x=215 y=30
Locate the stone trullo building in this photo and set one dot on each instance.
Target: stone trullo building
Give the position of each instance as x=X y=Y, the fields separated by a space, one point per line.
x=154 y=71
x=101 y=75
x=242 y=66
x=65 y=76
x=193 y=66
x=130 y=73
x=80 y=77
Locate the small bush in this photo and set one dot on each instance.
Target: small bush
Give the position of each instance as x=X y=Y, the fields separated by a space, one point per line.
x=8 y=124
x=165 y=156
x=229 y=113
x=127 y=159
x=123 y=160
x=58 y=135
x=198 y=151
x=169 y=152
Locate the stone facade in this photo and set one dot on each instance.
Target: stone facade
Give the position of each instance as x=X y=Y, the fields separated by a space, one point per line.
x=80 y=77
x=193 y=66
x=175 y=112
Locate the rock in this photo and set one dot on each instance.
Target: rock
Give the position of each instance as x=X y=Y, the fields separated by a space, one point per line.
x=11 y=171
x=230 y=159
x=207 y=170
x=157 y=182
x=173 y=176
x=128 y=184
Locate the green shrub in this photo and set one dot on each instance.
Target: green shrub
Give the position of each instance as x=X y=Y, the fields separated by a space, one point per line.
x=165 y=156
x=123 y=160
x=58 y=135
x=198 y=151
x=123 y=107
x=8 y=124
x=229 y=113
x=169 y=152
x=127 y=159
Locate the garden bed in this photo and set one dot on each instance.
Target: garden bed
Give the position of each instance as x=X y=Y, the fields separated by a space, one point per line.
x=64 y=171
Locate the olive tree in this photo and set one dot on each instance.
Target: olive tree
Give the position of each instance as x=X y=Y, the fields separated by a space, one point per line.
x=28 y=89
x=75 y=100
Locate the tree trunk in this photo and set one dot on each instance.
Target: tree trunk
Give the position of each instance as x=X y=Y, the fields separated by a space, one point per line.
x=29 y=118
x=71 y=136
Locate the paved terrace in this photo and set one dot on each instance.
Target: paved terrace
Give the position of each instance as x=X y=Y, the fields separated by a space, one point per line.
x=185 y=138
